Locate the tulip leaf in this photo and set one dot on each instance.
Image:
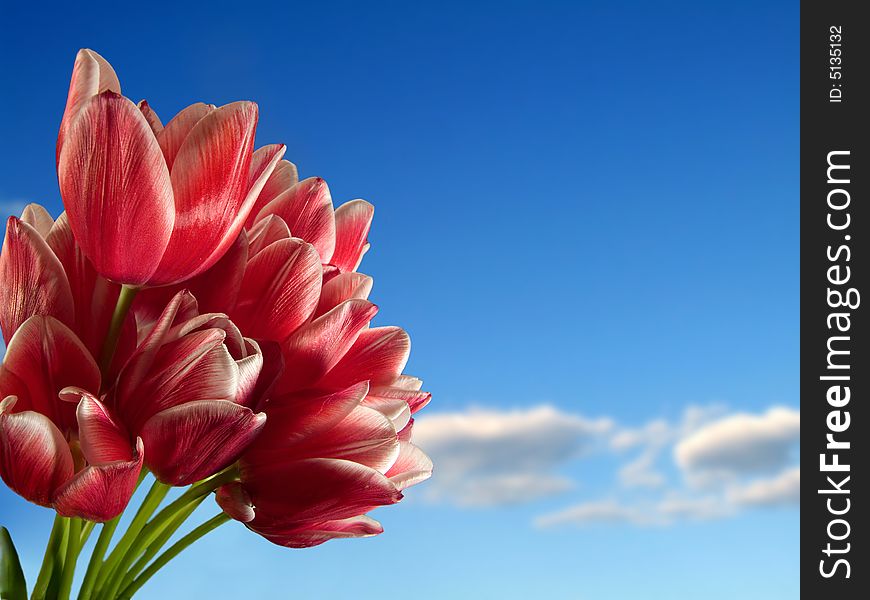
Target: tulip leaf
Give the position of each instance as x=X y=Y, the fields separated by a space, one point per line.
x=12 y=584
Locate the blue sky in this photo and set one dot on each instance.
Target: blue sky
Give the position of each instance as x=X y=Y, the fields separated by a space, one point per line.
x=587 y=219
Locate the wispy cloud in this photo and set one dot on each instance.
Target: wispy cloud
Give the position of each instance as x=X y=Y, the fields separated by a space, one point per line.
x=740 y=445
x=708 y=464
x=784 y=489
x=489 y=457
x=600 y=511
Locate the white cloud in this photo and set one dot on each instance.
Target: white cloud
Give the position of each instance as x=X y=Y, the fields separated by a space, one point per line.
x=604 y=511
x=647 y=513
x=784 y=489
x=488 y=457
x=740 y=444
x=704 y=508
x=641 y=472
x=651 y=440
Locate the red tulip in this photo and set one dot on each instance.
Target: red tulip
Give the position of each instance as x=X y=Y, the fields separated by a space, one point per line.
x=43 y=272
x=323 y=460
x=153 y=205
x=59 y=445
x=337 y=438
x=32 y=279
x=186 y=391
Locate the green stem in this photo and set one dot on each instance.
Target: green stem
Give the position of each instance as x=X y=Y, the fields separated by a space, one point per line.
x=173 y=551
x=125 y=301
x=194 y=492
x=87 y=528
x=96 y=562
x=49 y=560
x=116 y=565
x=73 y=548
x=160 y=541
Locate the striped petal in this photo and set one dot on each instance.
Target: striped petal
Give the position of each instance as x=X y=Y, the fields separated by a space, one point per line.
x=266 y=232
x=318 y=533
x=32 y=280
x=212 y=181
x=116 y=189
x=153 y=120
x=193 y=441
x=364 y=436
x=172 y=136
x=307 y=209
x=235 y=501
x=334 y=489
x=378 y=356
x=352 y=223
x=92 y=75
x=342 y=287
x=320 y=345
x=295 y=418
x=282 y=178
x=280 y=290
x=35 y=459
x=37 y=217
x=45 y=356
x=101 y=492
x=411 y=467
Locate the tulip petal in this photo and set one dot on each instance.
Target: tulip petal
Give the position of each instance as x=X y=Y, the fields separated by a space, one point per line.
x=172 y=136
x=296 y=417
x=364 y=436
x=153 y=120
x=405 y=433
x=414 y=399
x=377 y=356
x=92 y=75
x=395 y=409
x=282 y=178
x=210 y=180
x=192 y=441
x=101 y=492
x=333 y=489
x=33 y=280
x=342 y=287
x=318 y=533
x=280 y=290
x=196 y=367
x=94 y=297
x=352 y=222
x=235 y=501
x=45 y=356
x=102 y=439
x=319 y=345
x=273 y=368
x=116 y=189
x=307 y=209
x=37 y=217
x=217 y=289
x=249 y=372
x=411 y=467
x=182 y=307
x=34 y=457
x=265 y=232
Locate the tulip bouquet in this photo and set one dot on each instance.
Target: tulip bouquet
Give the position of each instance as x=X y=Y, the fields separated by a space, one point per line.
x=195 y=319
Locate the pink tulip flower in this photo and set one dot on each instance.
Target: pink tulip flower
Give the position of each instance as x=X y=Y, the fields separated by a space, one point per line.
x=152 y=205
x=59 y=445
x=187 y=392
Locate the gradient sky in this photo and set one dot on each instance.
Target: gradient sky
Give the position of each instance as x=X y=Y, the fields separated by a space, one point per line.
x=587 y=219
